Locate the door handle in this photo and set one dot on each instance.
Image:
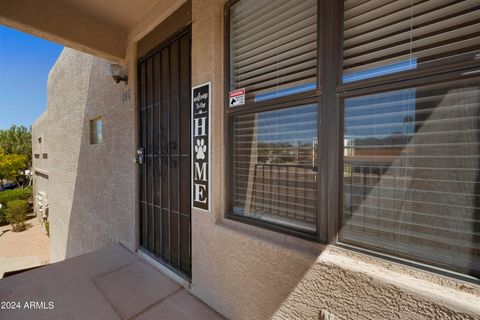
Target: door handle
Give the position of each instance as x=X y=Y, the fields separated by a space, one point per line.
x=140 y=157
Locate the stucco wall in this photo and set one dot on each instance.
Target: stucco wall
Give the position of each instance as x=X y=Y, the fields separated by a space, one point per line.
x=40 y=165
x=246 y=272
x=90 y=186
x=242 y=271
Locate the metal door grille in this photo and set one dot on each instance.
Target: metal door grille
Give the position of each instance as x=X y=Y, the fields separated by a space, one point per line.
x=164 y=132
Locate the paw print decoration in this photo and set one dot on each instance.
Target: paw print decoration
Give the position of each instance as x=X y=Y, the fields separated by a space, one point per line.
x=200 y=149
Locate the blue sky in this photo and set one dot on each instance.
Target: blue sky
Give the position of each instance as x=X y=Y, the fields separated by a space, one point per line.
x=24 y=65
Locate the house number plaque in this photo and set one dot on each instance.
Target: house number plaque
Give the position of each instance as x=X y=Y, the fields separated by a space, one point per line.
x=201 y=102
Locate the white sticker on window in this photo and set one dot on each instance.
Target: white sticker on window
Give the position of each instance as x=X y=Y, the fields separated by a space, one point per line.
x=236 y=98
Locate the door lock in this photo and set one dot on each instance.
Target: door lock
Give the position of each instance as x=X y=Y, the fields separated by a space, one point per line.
x=140 y=158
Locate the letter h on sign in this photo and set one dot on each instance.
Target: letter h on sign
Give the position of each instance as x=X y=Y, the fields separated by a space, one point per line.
x=199 y=126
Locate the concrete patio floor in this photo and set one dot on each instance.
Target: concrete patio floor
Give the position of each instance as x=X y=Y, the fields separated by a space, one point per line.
x=112 y=283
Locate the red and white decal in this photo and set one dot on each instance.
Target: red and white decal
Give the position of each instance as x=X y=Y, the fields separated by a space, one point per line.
x=236 y=98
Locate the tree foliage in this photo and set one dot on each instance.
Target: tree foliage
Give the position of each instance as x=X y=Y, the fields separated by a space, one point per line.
x=17 y=140
x=10 y=195
x=11 y=165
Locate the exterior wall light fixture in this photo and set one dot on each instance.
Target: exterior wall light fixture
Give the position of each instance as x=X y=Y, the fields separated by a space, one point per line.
x=117 y=72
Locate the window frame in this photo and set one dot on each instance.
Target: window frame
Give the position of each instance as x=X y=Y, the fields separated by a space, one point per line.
x=428 y=70
x=298 y=99
x=434 y=80
x=426 y=76
x=229 y=161
x=329 y=94
x=265 y=103
x=281 y=99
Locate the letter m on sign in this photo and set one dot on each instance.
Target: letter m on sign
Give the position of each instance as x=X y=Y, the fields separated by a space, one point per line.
x=200 y=171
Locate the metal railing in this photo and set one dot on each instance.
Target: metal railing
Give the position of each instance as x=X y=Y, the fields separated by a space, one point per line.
x=285 y=191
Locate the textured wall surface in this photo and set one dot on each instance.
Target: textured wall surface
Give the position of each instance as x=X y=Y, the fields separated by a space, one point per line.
x=90 y=186
x=245 y=274
x=352 y=286
x=242 y=271
x=250 y=273
x=40 y=165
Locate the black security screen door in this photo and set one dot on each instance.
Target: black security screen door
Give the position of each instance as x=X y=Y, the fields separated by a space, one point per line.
x=164 y=134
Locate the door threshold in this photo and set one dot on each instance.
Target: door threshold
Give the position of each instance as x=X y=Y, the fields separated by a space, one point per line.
x=186 y=284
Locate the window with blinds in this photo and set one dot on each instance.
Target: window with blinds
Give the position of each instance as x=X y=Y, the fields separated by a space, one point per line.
x=385 y=36
x=411 y=161
x=273 y=47
x=411 y=182
x=274 y=167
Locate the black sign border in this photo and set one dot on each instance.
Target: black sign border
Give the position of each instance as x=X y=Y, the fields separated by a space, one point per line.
x=209 y=152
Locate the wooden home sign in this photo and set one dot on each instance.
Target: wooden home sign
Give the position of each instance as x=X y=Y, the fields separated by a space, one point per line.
x=201 y=102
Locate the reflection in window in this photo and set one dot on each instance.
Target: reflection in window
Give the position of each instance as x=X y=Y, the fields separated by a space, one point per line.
x=273 y=47
x=383 y=37
x=380 y=71
x=96 y=131
x=285 y=92
x=274 y=166
x=412 y=175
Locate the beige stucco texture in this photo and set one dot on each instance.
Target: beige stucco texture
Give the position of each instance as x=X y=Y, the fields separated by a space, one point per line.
x=90 y=186
x=242 y=271
x=40 y=165
x=245 y=272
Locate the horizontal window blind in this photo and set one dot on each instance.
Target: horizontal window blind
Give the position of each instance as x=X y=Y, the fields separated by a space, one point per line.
x=273 y=47
x=274 y=169
x=387 y=36
x=411 y=182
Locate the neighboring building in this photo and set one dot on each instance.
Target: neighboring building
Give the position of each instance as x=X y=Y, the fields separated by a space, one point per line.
x=40 y=166
x=86 y=180
x=264 y=215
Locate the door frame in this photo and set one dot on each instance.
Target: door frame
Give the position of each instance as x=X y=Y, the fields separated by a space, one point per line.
x=176 y=274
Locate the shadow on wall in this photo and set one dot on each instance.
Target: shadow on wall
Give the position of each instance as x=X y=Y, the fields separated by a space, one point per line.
x=423 y=172
x=103 y=200
x=92 y=183
x=100 y=179
x=263 y=279
x=252 y=280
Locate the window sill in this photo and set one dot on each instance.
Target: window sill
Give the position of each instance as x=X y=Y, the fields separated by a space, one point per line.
x=306 y=245
x=309 y=244
x=443 y=290
x=446 y=291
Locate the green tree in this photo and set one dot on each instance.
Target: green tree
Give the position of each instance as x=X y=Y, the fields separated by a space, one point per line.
x=17 y=140
x=11 y=165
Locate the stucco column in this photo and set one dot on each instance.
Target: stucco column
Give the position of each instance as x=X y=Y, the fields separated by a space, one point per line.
x=207 y=65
